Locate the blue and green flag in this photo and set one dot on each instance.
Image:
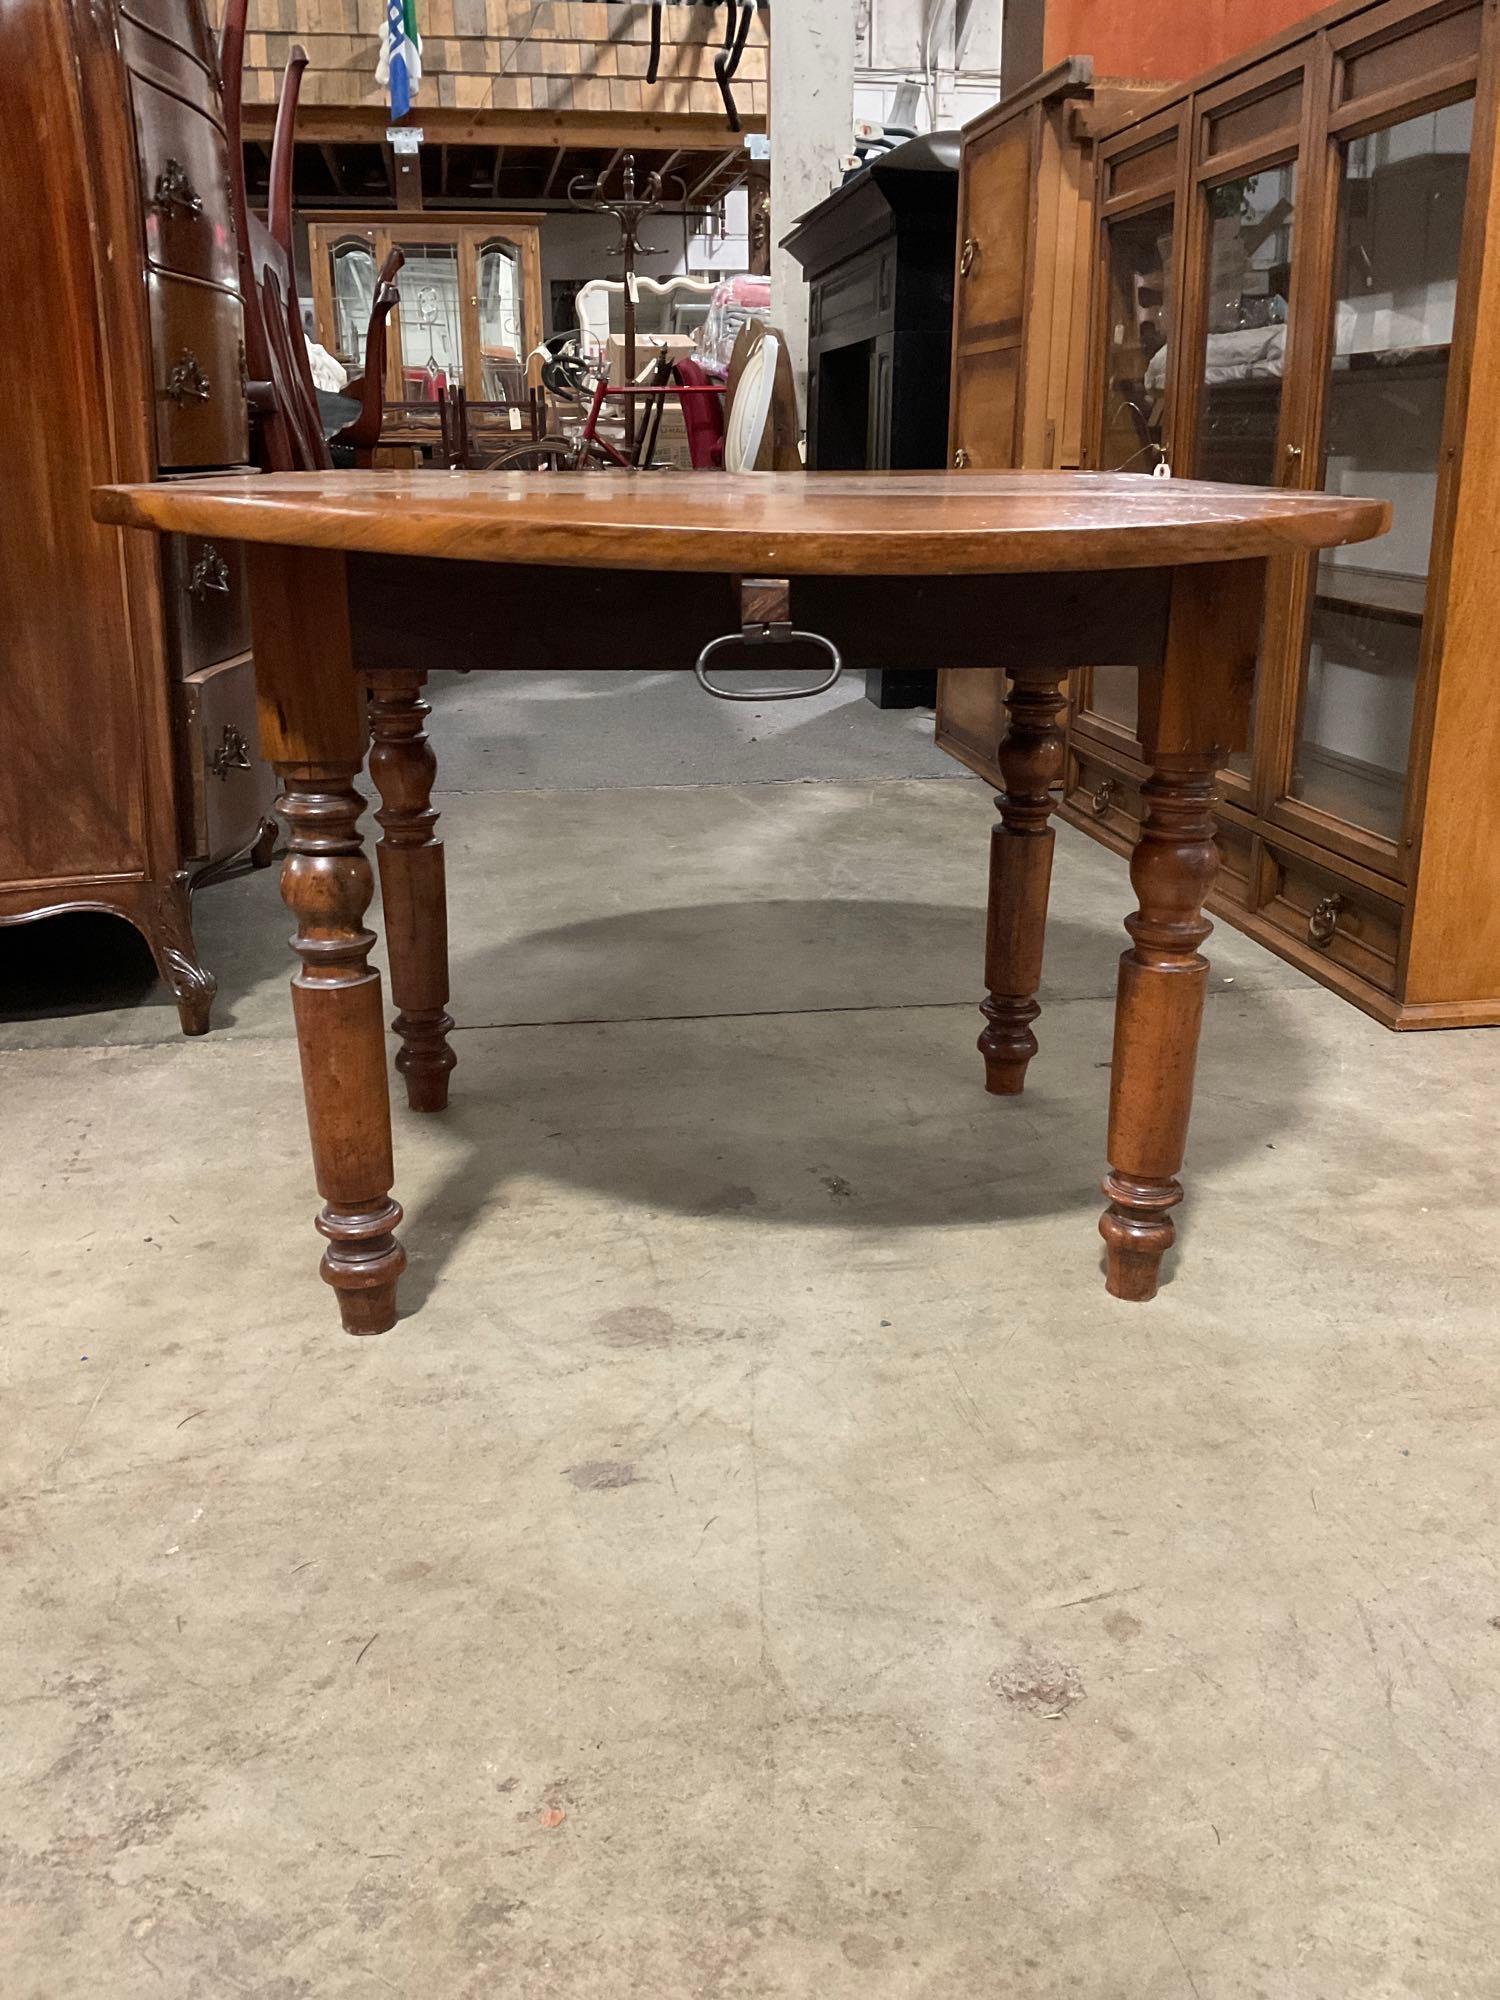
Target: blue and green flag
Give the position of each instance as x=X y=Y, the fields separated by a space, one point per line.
x=400 y=67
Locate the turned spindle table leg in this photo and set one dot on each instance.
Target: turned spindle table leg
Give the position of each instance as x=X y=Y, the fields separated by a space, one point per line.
x=312 y=728
x=412 y=888
x=1021 y=843
x=1193 y=709
x=1158 y=1014
x=327 y=884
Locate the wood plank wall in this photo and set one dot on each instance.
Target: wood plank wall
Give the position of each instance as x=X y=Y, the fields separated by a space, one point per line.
x=478 y=55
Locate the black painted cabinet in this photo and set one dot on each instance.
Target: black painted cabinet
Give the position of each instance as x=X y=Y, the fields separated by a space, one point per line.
x=878 y=254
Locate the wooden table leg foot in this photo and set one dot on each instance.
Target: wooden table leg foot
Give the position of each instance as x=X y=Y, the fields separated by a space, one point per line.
x=1138 y=1233
x=1158 y=1015
x=413 y=889
x=362 y=1263
x=1007 y=1043
x=426 y=1088
x=327 y=884
x=1031 y=762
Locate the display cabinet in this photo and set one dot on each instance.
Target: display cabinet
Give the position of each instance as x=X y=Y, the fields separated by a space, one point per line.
x=1022 y=270
x=471 y=300
x=1295 y=282
x=878 y=253
x=1021 y=287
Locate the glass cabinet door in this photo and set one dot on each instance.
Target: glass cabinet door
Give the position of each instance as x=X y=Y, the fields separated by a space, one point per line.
x=502 y=335
x=352 y=275
x=428 y=323
x=1401 y=204
x=1247 y=289
x=1133 y=432
x=1139 y=337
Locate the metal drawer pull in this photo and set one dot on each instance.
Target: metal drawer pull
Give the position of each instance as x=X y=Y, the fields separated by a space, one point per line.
x=1324 y=921
x=766 y=635
x=233 y=753
x=960 y=458
x=966 y=258
x=210 y=572
x=1104 y=797
x=175 y=190
x=187 y=382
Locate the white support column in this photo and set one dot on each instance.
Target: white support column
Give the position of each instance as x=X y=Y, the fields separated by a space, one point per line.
x=812 y=118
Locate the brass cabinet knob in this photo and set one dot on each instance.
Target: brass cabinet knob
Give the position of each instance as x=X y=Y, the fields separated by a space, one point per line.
x=1104 y=797
x=210 y=572
x=233 y=753
x=1324 y=921
x=174 y=190
x=966 y=257
x=187 y=382
x=960 y=458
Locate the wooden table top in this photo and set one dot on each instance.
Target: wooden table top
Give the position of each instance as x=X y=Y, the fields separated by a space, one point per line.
x=767 y=524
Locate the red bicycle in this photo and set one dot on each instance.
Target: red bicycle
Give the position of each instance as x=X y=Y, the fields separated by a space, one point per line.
x=567 y=378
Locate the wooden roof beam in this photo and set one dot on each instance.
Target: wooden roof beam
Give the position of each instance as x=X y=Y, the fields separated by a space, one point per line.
x=720 y=166
x=335 y=171
x=365 y=124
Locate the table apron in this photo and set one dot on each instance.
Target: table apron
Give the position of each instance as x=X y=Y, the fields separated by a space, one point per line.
x=413 y=612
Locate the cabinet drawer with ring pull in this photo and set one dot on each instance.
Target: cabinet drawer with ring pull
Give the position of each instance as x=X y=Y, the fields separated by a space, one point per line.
x=207 y=603
x=184 y=188
x=1339 y=920
x=227 y=789
x=1104 y=796
x=197 y=340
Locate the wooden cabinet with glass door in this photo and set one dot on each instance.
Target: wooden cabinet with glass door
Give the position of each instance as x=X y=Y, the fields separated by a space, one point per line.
x=471 y=302
x=1020 y=295
x=1020 y=314
x=1297 y=283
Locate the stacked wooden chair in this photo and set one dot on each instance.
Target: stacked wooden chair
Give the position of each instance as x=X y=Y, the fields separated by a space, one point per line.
x=296 y=428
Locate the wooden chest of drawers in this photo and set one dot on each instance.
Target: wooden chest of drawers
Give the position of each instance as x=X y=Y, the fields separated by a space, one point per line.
x=127 y=705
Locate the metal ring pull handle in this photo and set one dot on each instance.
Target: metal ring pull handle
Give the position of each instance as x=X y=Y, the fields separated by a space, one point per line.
x=766 y=635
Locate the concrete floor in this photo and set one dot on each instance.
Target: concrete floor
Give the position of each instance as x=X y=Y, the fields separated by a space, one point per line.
x=763 y=1562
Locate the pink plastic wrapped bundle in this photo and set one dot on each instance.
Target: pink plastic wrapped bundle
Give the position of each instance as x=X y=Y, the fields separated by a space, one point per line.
x=733 y=303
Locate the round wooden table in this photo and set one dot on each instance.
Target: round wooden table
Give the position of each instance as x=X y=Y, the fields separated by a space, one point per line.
x=368 y=580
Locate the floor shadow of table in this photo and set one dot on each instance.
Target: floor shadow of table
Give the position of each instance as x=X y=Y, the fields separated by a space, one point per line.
x=698 y=1062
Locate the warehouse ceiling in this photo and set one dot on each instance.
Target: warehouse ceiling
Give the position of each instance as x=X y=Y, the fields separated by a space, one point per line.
x=360 y=175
